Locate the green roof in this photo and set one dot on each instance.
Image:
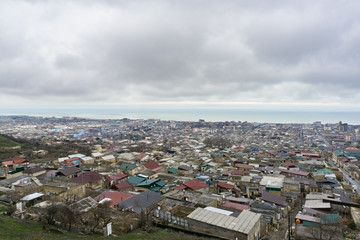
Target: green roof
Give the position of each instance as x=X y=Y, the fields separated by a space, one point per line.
x=338 y=153
x=161 y=183
x=147 y=183
x=273 y=188
x=355 y=155
x=155 y=188
x=173 y=170
x=127 y=166
x=241 y=154
x=134 y=180
x=324 y=170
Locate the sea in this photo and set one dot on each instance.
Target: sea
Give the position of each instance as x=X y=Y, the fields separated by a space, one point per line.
x=195 y=114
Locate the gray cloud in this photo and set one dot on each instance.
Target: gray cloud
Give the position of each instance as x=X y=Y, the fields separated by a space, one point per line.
x=141 y=51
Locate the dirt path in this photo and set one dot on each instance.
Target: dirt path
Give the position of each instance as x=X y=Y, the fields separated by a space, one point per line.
x=283 y=226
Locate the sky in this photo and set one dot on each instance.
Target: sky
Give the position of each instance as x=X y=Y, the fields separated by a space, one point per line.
x=269 y=54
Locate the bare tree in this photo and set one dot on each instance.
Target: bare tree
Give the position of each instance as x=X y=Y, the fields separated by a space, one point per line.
x=50 y=214
x=323 y=231
x=99 y=216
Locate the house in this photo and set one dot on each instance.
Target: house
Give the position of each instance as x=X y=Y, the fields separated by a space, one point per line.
x=149 y=174
x=129 y=169
x=317 y=204
x=97 y=156
x=272 y=184
x=154 y=166
x=69 y=172
x=223 y=187
x=193 y=185
x=191 y=198
x=220 y=223
x=250 y=186
x=290 y=187
x=108 y=159
x=307 y=185
x=231 y=206
x=156 y=185
x=270 y=214
x=273 y=198
x=34 y=172
x=63 y=191
x=71 y=162
x=141 y=157
x=15 y=163
x=21 y=184
x=172 y=170
x=91 y=180
x=19 y=162
x=244 y=167
x=87 y=160
x=115 y=179
x=294 y=173
x=123 y=186
x=143 y=202
x=288 y=165
x=185 y=170
x=236 y=175
x=114 y=198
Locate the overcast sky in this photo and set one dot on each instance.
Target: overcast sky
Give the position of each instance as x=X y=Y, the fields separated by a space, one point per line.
x=260 y=53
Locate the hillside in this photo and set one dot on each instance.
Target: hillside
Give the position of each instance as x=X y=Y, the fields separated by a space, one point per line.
x=6 y=142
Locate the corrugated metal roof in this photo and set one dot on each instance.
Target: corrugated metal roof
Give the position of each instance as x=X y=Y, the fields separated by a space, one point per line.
x=316 y=204
x=32 y=196
x=244 y=223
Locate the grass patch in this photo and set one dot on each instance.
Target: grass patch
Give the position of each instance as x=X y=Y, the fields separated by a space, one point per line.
x=11 y=228
x=6 y=142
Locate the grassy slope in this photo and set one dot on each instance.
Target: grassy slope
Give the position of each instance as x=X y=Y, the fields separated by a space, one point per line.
x=6 y=142
x=16 y=229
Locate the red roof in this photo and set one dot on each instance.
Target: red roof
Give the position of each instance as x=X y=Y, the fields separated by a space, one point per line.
x=288 y=164
x=116 y=197
x=236 y=206
x=118 y=176
x=238 y=172
x=157 y=169
x=123 y=186
x=195 y=184
x=294 y=172
x=152 y=165
x=18 y=160
x=180 y=187
x=88 y=177
x=344 y=160
x=7 y=163
x=239 y=165
x=225 y=185
x=141 y=156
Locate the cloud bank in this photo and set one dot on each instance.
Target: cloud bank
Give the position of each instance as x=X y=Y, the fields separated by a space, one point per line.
x=156 y=52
